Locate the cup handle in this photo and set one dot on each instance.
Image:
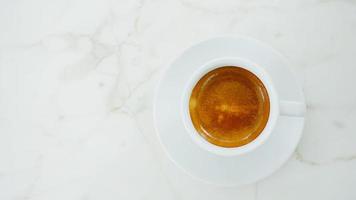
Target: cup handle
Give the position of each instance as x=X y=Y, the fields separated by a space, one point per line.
x=292 y=108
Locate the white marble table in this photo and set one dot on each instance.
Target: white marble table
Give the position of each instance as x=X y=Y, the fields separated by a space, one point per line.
x=77 y=80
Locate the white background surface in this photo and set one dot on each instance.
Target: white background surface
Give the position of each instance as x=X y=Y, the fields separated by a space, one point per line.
x=77 y=80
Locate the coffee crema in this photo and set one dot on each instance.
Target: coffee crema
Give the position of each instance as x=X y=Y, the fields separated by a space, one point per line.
x=229 y=106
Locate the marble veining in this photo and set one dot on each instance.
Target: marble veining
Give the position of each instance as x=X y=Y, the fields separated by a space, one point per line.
x=76 y=88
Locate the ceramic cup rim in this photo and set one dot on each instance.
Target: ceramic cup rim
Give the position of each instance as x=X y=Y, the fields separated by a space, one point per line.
x=272 y=94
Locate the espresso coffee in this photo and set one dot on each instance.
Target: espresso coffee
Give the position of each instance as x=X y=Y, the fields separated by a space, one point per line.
x=229 y=106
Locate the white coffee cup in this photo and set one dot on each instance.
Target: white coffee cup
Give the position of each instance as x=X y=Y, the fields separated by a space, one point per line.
x=277 y=106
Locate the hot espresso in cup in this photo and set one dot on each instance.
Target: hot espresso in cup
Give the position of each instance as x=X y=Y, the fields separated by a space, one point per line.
x=229 y=106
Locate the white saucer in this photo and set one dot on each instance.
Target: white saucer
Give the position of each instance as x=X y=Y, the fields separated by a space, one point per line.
x=202 y=164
